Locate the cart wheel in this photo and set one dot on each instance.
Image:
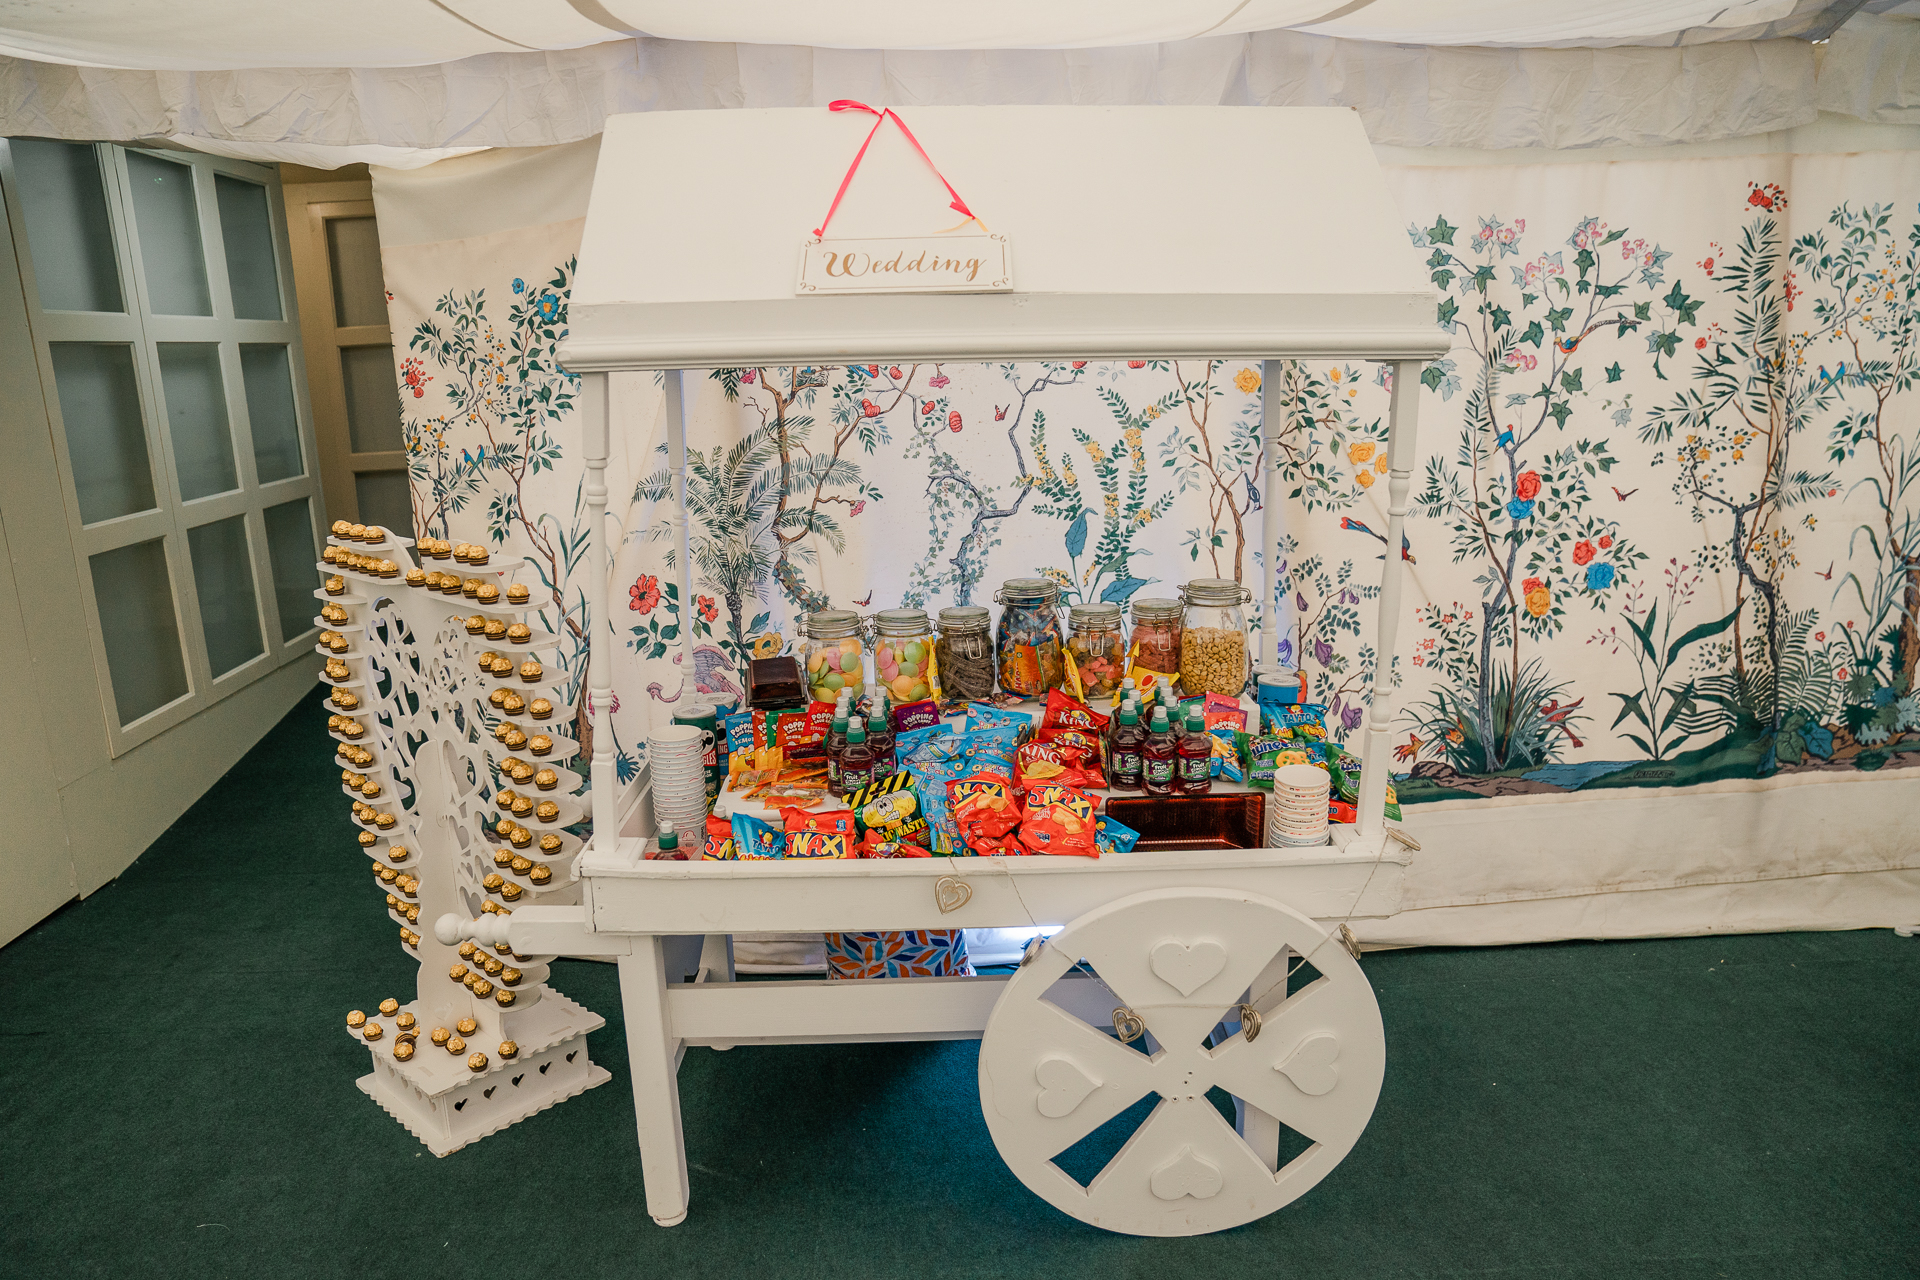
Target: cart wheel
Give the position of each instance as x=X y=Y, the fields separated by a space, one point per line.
x=1182 y=961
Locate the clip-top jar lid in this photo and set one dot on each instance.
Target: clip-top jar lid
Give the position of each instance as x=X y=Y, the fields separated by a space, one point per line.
x=1155 y=608
x=1029 y=591
x=901 y=622
x=1214 y=591
x=1095 y=615
x=964 y=617
x=833 y=624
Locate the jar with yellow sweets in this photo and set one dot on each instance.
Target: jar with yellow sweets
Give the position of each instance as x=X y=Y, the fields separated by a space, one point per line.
x=831 y=653
x=903 y=655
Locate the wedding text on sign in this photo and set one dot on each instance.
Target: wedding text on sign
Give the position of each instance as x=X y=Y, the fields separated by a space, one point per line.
x=939 y=264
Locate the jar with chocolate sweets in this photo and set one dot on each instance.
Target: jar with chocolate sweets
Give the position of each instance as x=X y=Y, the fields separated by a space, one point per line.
x=1097 y=648
x=1027 y=646
x=1156 y=633
x=1213 y=637
x=832 y=653
x=963 y=653
x=903 y=655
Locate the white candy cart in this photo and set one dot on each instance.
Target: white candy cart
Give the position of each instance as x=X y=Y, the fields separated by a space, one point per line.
x=1143 y=233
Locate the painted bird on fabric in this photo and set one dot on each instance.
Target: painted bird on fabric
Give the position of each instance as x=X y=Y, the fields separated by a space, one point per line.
x=1406 y=548
x=1556 y=715
x=1838 y=375
x=1622 y=496
x=1569 y=345
x=1828 y=575
x=863 y=603
x=1000 y=412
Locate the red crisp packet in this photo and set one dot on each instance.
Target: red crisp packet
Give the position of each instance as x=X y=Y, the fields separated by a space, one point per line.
x=1059 y=820
x=1072 y=759
x=983 y=810
x=802 y=735
x=1065 y=713
x=1341 y=811
x=719 y=846
x=818 y=835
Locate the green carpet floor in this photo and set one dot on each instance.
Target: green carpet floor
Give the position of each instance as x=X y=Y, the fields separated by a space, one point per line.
x=179 y=1101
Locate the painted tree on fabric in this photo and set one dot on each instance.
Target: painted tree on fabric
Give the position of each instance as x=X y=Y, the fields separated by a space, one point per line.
x=1329 y=449
x=1222 y=461
x=1327 y=606
x=1519 y=494
x=1120 y=475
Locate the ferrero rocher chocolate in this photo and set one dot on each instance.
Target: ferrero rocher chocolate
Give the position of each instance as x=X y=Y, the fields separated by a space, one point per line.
x=440 y=1035
x=398 y=852
x=384 y=821
x=504 y=998
x=540 y=745
x=456 y=1046
x=509 y=1050
x=487 y=659
x=476 y=1062
x=458 y=973
x=518 y=593
x=522 y=771
x=492 y=881
x=510 y=977
x=467 y=949
x=476 y=625
x=497 y=699
x=547 y=812
x=531 y=671
x=494 y=967
x=503 y=827
x=512 y=703
x=503 y=857
x=356 y=1019
x=372 y=1031
x=520 y=837
x=515 y=738
x=416 y=577
x=511 y=892
x=488 y=594
x=483 y=988
x=497 y=630
x=405 y=1022
x=403 y=1051
x=551 y=844
x=466 y=1026
x=540 y=874
x=523 y=805
x=519 y=863
x=389 y=1007
x=501 y=667
x=546 y=779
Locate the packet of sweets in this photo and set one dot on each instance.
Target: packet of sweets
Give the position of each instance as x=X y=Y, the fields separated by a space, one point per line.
x=802 y=735
x=915 y=715
x=904 y=744
x=755 y=840
x=1065 y=713
x=892 y=808
x=1223 y=759
x=1113 y=836
x=718 y=846
x=1341 y=811
x=981 y=715
x=1145 y=680
x=1059 y=827
x=1345 y=768
x=839 y=822
x=739 y=730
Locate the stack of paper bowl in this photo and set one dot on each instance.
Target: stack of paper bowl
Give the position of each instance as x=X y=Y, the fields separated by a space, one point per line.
x=1297 y=809
x=676 y=756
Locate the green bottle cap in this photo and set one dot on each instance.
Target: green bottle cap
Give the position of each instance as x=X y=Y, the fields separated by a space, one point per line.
x=856 y=732
x=1195 y=724
x=1128 y=715
x=1160 y=719
x=669 y=838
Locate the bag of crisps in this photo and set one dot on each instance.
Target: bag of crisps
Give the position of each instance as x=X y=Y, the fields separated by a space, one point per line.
x=755 y=839
x=983 y=808
x=718 y=846
x=1065 y=713
x=892 y=808
x=818 y=835
x=1059 y=820
x=1072 y=759
x=1112 y=836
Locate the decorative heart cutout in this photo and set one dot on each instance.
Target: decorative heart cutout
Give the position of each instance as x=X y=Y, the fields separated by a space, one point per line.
x=1063 y=1086
x=573 y=1055
x=488 y=1092
x=1186 y=1175
x=951 y=893
x=517 y=1079
x=1187 y=966
x=1311 y=1065
x=544 y=1066
x=1128 y=1025
x=460 y=1104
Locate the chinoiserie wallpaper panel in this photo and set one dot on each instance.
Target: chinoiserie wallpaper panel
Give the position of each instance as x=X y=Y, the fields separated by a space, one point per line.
x=1666 y=535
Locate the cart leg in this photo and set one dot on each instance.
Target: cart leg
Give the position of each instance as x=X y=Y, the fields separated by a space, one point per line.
x=716 y=965
x=1261 y=1131
x=654 y=1054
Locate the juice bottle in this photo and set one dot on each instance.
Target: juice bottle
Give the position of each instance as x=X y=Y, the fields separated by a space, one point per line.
x=880 y=741
x=856 y=760
x=669 y=842
x=1157 y=755
x=836 y=744
x=1195 y=751
x=1125 y=761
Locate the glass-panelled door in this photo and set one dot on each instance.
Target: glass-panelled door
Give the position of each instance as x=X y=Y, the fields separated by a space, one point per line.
x=161 y=300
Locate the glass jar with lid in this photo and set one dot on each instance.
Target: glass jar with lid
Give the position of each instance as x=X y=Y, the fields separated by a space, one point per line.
x=1097 y=648
x=963 y=653
x=1156 y=633
x=1026 y=647
x=832 y=652
x=903 y=658
x=1213 y=637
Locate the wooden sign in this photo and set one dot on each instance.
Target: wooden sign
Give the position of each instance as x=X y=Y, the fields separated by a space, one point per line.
x=907 y=264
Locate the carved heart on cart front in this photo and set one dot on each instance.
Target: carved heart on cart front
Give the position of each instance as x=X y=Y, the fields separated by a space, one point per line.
x=1311 y=1065
x=1186 y=1175
x=1187 y=966
x=1063 y=1086
x=950 y=893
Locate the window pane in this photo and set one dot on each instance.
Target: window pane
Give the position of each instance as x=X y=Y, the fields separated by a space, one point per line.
x=359 y=288
x=68 y=235
x=373 y=399
x=197 y=418
x=223 y=577
x=290 y=549
x=270 y=414
x=106 y=441
x=169 y=223
x=384 y=500
x=134 y=594
x=252 y=274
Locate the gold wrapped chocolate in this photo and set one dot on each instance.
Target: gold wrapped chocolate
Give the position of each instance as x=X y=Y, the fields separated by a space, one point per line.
x=547 y=812
x=509 y=1050
x=488 y=594
x=341 y=527
x=504 y=998
x=504 y=827
x=384 y=821
x=368 y=839
x=510 y=977
x=467 y=949
x=494 y=967
x=515 y=739
x=483 y=988
x=521 y=772
x=522 y=806
x=511 y=891
x=476 y=625
x=518 y=594
x=398 y=852
x=498 y=629
x=372 y=1031
x=540 y=745
x=356 y=1019
x=540 y=709
x=546 y=780
x=520 y=863
x=520 y=837
x=501 y=668
x=493 y=881
x=458 y=973
x=497 y=699
x=504 y=858
x=405 y=1022
x=551 y=844
x=456 y=1046
x=356 y=530
x=439 y=1035
x=403 y=1051
x=416 y=577
x=466 y=1026
x=487 y=659
x=512 y=703
x=389 y=1007
x=531 y=671
x=540 y=874
x=477 y=1062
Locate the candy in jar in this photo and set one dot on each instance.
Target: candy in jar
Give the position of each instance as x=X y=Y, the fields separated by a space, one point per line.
x=963 y=654
x=832 y=653
x=903 y=655
x=1156 y=633
x=1027 y=646
x=1097 y=648
x=1213 y=639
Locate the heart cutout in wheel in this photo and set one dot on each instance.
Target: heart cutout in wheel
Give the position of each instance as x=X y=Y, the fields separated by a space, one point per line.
x=950 y=893
x=1063 y=1086
x=1188 y=966
x=1311 y=1065
x=460 y=1104
x=1186 y=1175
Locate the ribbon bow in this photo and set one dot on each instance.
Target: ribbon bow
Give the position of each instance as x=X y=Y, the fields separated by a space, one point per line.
x=880 y=118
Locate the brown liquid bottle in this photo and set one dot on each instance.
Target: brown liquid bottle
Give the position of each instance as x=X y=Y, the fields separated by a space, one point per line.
x=1158 y=755
x=856 y=761
x=836 y=746
x=1194 y=776
x=1125 y=763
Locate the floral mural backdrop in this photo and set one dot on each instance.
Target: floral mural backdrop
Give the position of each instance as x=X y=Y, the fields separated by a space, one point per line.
x=1666 y=524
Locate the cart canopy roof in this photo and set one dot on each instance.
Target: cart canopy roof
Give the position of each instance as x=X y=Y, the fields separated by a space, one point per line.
x=1132 y=232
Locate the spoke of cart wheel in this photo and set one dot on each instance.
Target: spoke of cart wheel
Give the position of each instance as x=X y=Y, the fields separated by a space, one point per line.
x=1330 y=1034
x=1120 y=1076
x=1184 y=1149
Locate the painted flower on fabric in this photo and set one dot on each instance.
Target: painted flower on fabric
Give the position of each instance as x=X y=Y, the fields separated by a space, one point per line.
x=746 y=376
x=939 y=380
x=767 y=646
x=1323 y=653
x=613 y=703
x=519 y=285
x=1364 y=479
x=414 y=374
x=1247 y=380
x=868 y=409
x=548 y=307
x=1539 y=600
x=858 y=507
x=1606 y=540
x=706 y=608
x=1599 y=576
x=1531 y=584
x=1350 y=718
x=1136 y=364
x=1582 y=551
x=893 y=371
x=1526 y=485
x=1360 y=451
x=644 y=594
x=1518 y=510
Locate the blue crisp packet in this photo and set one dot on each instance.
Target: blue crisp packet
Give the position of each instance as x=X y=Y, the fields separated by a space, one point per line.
x=1302 y=721
x=904 y=744
x=739 y=729
x=981 y=715
x=754 y=839
x=1110 y=836
x=1224 y=762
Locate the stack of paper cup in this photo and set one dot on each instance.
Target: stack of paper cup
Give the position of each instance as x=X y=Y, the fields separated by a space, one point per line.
x=1297 y=809
x=676 y=756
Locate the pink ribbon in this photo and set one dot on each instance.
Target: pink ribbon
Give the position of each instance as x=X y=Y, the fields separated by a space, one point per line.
x=880 y=118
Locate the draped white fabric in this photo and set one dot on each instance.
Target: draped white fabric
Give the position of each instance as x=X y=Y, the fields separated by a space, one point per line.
x=225 y=34
x=1408 y=96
